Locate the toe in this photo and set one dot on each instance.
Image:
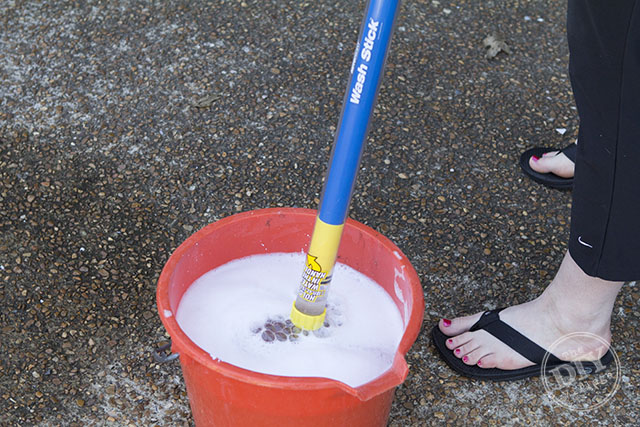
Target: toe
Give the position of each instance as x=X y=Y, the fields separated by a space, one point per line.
x=541 y=164
x=487 y=361
x=458 y=325
x=472 y=357
x=551 y=163
x=501 y=358
x=459 y=340
x=465 y=351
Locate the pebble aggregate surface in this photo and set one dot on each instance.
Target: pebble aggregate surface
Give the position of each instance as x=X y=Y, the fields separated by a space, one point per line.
x=127 y=126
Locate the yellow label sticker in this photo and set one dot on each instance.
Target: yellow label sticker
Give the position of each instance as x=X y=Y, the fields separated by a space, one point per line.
x=321 y=258
x=313 y=280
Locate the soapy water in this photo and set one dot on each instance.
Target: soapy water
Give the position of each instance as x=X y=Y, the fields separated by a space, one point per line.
x=238 y=313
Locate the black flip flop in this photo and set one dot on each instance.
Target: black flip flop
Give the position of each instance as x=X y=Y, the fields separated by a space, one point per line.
x=548 y=179
x=490 y=322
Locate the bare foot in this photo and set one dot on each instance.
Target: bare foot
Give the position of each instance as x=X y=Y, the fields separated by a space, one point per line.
x=553 y=162
x=573 y=302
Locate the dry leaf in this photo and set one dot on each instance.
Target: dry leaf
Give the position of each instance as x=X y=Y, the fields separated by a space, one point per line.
x=206 y=101
x=494 y=45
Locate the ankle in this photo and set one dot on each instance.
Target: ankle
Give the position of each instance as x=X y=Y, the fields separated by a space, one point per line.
x=569 y=314
x=579 y=298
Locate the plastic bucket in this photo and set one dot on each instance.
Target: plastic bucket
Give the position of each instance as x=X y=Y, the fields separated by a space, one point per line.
x=221 y=394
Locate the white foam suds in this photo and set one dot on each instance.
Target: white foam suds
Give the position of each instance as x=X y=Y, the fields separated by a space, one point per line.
x=223 y=309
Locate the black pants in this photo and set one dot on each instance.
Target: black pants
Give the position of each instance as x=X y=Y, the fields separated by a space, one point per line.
x=604 y=46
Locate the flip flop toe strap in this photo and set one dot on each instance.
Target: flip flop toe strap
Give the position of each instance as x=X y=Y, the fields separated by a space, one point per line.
x=570 y=151
x=490 y=322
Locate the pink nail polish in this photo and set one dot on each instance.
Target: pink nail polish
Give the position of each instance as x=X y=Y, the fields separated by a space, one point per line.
x=449 y=341
x=535 y=158
x=479 y=363
x=465 y=359
x=458 y=351
x=446 y=322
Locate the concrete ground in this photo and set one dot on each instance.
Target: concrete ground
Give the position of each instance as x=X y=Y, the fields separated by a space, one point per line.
x=126 y=126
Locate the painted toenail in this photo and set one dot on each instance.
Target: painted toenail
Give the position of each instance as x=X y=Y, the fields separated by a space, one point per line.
x=450 y=341
x=535 y=158
x=465 y=359
x=458 y=351
x=479 y=363
x=446 y=322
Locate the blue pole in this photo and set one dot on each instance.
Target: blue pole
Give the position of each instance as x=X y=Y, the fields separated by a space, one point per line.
x=366 y=74
x=309 y=308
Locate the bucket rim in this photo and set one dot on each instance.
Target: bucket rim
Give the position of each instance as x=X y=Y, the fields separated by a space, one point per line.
x=181 y=343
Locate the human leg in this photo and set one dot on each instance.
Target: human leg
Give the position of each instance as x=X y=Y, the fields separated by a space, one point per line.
x=604 y=43
x=605 y=235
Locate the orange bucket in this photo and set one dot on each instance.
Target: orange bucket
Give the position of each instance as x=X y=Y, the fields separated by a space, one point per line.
x=221 y=394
